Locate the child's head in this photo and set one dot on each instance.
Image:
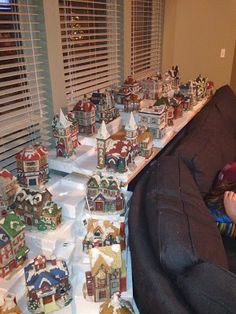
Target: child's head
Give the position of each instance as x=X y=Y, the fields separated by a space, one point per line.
x=226 y=181
x=228 y=174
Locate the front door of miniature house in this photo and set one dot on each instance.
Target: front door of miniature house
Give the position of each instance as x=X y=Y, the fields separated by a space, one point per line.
x=60 y=148
x=99 y=205
x=119 y=203
x=111 y=164
x=29 y=221
x=121 y=165
x=47 y=299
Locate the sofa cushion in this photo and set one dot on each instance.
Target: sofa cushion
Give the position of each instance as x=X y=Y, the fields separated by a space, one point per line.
x=210 y=143
x=209 y=289
x=182 y=231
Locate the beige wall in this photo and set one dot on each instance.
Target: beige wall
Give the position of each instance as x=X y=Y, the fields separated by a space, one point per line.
x=194 y=33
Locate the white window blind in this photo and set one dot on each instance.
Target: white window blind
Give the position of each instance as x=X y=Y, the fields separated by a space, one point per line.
x=90 y=43
x=22 y=99
x=146 y=37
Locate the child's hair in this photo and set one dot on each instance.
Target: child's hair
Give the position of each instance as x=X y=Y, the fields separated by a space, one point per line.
x=216 y=194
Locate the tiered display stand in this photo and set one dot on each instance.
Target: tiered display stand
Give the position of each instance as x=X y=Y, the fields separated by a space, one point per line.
x=69 y=192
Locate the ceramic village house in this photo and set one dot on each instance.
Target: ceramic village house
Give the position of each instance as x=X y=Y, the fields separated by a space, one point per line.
x=104 y=233
x=13 y=251
x=32 y=166
x=104 y=194
x=36 y=208
x=47 y=283
x=65 y=131
x=105 y=276
x=105 y=106
x=152 y=88
x=155 y=120
x=8 y=188
x=118 y=151
x=84 y=112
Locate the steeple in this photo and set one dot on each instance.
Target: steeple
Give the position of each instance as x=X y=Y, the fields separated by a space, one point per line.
x=131 y=125
x=103 y=133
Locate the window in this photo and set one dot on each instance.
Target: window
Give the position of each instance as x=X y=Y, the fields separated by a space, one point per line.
x=146 y=33
x=22 y=101
x=90 y=44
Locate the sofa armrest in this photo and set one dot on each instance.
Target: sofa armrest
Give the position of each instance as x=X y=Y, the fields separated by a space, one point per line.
x=181 y=230
x=209 y=289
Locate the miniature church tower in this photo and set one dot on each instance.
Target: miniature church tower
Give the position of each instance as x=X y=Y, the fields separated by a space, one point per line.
x=62 y=132
x=131 y=129
x=102 y=143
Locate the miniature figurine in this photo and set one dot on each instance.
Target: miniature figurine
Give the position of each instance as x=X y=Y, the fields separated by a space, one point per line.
x=105 y=106
x=47 y=283
x=104 y=233
x=13 y=251
x=132 y=85
x=8 y=303
x=116 y=305
x=36 y=208
x=85 y=114
x=105 y=277
x=201 y=87
x=65 y=131
x=8 y=189
x=32 y=166
x=104 y=194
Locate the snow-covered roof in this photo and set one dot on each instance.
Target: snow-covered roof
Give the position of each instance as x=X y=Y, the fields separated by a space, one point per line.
x=6 y=174
x=111 y=255
x=156 y=110
x=51 y=273
x=84 y=105
x=32 y=152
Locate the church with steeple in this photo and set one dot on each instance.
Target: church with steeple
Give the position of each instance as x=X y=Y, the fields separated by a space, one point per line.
x=118 y=152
